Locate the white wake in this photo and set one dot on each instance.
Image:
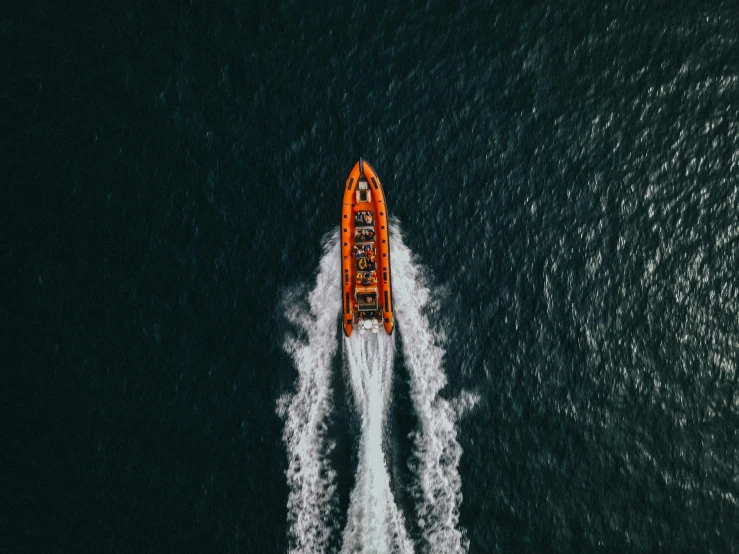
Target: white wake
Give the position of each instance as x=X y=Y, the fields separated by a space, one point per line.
x=436 y=450
x=312 y=503
x=374 y=522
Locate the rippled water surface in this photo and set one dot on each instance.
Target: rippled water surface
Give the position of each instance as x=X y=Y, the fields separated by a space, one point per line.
x=565 y=178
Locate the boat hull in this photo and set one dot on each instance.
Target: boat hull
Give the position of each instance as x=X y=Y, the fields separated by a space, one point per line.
x=367 y=299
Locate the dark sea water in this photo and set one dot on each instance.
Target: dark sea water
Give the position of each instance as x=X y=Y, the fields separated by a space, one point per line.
x=567 y=174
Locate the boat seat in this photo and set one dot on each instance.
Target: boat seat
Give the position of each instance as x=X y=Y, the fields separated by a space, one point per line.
x=361 y=219
x=366 y=299
x=364 y=235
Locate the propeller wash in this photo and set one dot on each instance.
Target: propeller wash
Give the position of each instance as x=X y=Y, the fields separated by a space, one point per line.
x=374 y=523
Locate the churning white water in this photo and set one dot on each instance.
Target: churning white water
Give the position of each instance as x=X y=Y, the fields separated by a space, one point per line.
x=312 y=502
x=374 y=523
x=436 y=450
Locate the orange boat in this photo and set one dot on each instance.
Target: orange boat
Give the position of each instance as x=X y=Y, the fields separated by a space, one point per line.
x=365 y=254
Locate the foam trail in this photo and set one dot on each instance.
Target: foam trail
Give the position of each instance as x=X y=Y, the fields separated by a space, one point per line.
x=374 y=523
x=436 y=450
x=312 y=500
